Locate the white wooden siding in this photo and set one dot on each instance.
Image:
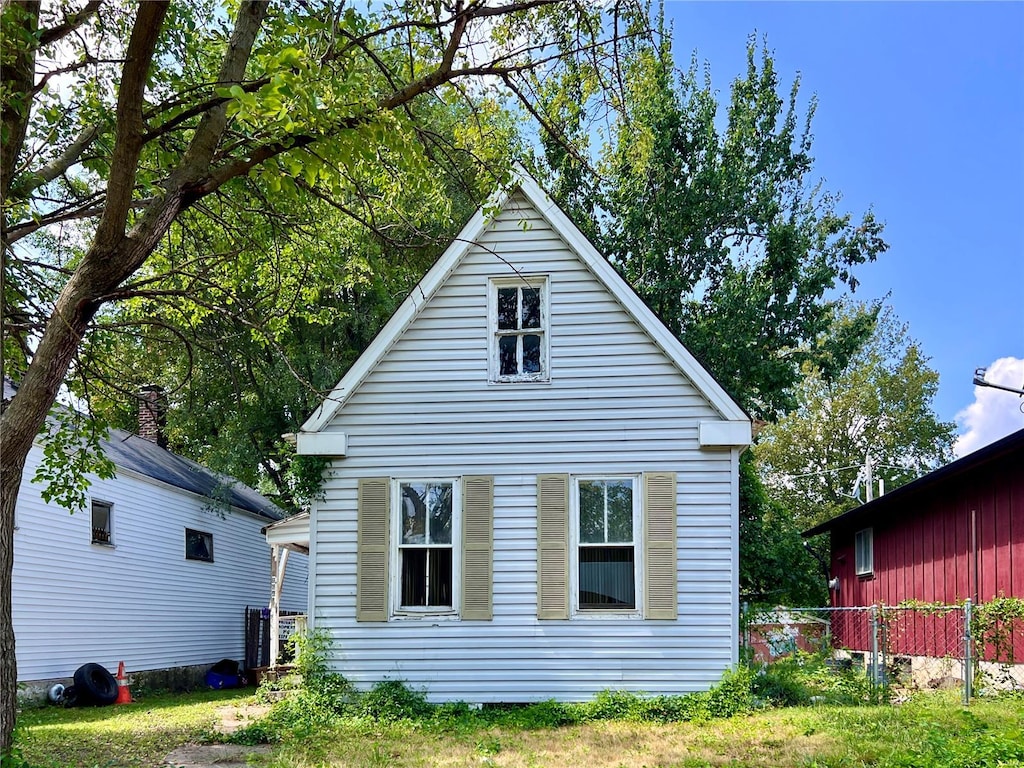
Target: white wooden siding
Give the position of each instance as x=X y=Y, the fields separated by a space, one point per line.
x=139 y=601
x=615 y=404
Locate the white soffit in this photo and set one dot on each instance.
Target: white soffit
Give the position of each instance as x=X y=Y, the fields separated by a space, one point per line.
x=321 y=443
x=724 y=434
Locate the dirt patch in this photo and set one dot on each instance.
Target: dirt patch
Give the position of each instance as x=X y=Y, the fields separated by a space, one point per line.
x=233 y=718
x=214 y=755
x=230 y=719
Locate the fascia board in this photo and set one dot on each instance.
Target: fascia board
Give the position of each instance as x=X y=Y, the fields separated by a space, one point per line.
x=403 y=316
x=599 y=265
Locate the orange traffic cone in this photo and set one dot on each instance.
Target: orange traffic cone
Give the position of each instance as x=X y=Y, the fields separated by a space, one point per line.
x=124 y=694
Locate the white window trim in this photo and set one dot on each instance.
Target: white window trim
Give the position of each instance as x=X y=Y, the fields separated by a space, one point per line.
x=859 y=567
x=542 y=283
x=397 y=611
x=110 y=523
x=574 y=557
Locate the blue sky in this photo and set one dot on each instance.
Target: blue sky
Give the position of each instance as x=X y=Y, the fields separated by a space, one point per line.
x=920 y=116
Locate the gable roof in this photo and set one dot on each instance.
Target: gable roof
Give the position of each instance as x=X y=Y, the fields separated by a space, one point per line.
x=890 y=503
x=588 y=254
x=137 y=454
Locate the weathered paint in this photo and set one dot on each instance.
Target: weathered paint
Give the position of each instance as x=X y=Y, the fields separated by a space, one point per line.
x=139 y=601
x=615 y=404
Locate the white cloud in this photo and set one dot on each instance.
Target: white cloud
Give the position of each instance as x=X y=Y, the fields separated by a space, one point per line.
x=994 y=413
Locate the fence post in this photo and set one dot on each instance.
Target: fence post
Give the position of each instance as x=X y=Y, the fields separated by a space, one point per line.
x=744 y=632
x=968 y=661
x=874 y=645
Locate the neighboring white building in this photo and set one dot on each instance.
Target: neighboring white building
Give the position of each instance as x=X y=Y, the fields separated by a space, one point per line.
x=154 y=572
x=533 y=491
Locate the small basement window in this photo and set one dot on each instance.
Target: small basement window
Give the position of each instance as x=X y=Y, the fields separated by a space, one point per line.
x=198 y=545
x=102 y=512
x=864 y=555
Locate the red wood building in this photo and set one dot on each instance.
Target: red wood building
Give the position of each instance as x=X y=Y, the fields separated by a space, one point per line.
x=956 y=533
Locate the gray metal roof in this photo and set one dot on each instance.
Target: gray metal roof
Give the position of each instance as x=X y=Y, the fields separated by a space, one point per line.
x=137 y=454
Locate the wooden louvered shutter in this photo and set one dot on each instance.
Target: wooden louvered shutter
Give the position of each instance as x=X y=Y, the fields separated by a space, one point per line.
x=660 y=545
x=374 y=513
x=477 y=547
x=553 y=547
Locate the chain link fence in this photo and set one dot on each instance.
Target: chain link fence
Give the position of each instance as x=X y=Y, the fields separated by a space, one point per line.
x=907 y=647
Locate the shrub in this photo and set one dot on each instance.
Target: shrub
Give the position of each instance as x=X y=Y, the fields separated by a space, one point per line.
x=392 y=700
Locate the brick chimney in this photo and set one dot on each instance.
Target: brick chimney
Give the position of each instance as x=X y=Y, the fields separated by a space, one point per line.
x=152 y=414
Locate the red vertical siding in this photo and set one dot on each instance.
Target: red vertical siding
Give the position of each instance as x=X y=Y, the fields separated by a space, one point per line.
x=922 y=546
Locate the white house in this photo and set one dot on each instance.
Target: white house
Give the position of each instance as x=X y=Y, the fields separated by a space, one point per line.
x=533 y=486
x=157 y=571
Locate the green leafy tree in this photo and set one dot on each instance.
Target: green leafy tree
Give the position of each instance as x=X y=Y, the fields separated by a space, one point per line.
x=117 y=119
x=813 y=460
x=719 y=225
x=775 y=566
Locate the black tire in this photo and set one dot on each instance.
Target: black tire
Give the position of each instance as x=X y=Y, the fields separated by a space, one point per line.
x=70 y=697
x=95 y=685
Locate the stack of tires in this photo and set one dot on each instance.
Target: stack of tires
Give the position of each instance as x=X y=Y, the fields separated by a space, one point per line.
x=94 y=687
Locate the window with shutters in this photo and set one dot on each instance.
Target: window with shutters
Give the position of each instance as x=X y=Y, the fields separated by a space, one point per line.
x=607 y=533
x=426 y=530
x=518 y=329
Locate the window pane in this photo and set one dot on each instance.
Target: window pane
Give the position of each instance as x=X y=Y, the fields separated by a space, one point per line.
x=592 y=512
x=198 y=545
x=100 y=522
x=531 y=354
x=427 y=578
x=531 y=308
x=414 y=573
x=439 y=573
x=620 y=511
x=440 y=500
x=414 y=513
x=606 y=577
x=507 y=355
x=507 y=301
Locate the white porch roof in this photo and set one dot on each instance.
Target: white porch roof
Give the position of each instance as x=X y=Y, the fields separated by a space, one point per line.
x=291 y=533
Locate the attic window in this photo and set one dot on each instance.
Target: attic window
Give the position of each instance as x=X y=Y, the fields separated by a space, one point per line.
x=518 y=322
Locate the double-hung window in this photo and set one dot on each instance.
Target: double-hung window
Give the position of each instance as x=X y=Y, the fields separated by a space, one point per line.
x=863 y=552
x=518 y=319
x=426 y=576
x=608 y=531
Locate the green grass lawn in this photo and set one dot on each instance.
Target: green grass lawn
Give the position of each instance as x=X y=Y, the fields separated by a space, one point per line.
x=137 y=734
x=930 y=731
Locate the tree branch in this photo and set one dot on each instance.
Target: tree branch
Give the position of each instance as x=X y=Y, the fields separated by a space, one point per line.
x=70 y=24
x=31 y=181
x=124 y=160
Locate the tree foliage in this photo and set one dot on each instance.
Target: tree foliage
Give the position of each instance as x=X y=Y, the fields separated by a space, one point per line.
x=118 y=119
x=880 y=406
x=775 y=566
x=718 y=223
